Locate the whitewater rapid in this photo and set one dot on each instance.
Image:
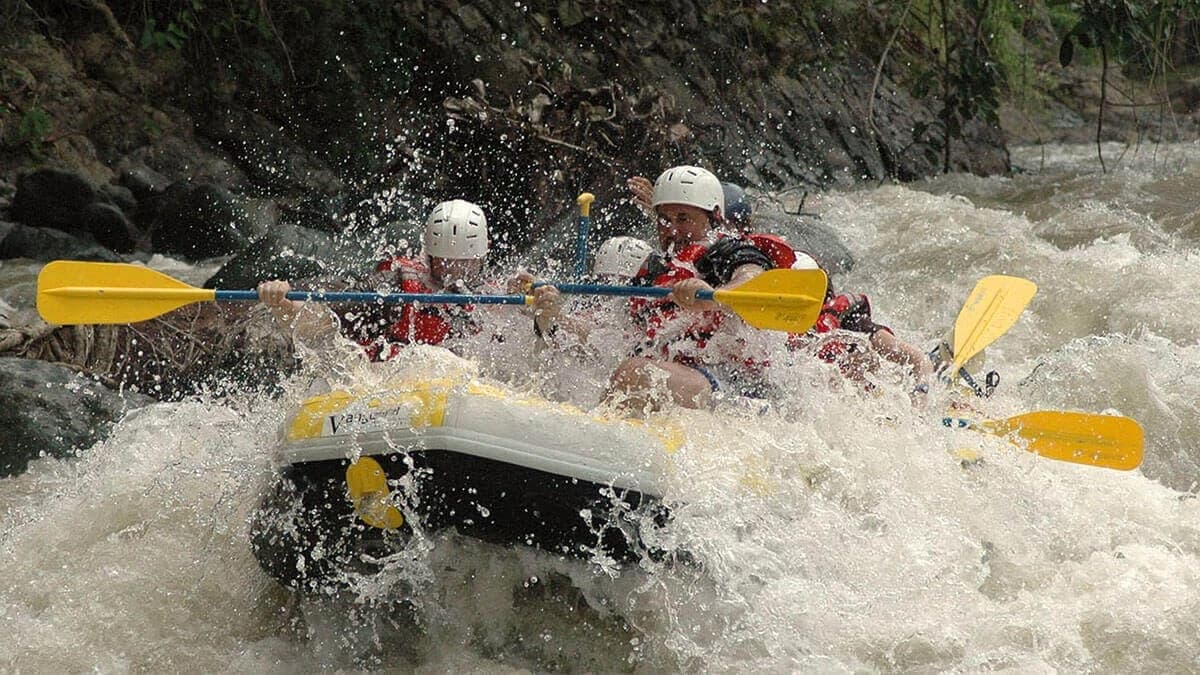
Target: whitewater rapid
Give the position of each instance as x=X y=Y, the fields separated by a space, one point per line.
x=835 y=532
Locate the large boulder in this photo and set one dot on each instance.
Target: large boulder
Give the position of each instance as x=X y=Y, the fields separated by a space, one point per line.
x=807 y=233
x=7 y=192
x=271 y=157
x=68 y=201
x=109 y=225
x=52 y=198
x=197 y=221
x=37 y=243
x=50 y=410
x=287 y=252
x=141 y=180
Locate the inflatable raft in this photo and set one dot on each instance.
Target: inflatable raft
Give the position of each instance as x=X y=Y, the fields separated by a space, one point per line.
x=359 y=471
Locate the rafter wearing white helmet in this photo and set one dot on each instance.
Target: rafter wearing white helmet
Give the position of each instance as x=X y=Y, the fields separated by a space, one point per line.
x=456 y=230
x=691 y=186
x=737 y=207
x=805 y=261
x=620 y=257
x=690 y=206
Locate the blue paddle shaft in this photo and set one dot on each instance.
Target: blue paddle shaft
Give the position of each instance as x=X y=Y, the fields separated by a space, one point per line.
x=383 y=298
x=581 y=246
x=627 y=291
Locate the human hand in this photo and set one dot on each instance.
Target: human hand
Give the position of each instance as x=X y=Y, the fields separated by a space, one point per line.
x=850 y=352
x=684 y=293
x=273 y=294
x=547 y=305
x=944 y=358
x=643 y=193
x=520 y=283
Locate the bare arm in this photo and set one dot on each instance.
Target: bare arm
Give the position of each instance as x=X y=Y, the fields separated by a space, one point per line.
x=684 y=293
x=642 y=191
x=308 y=321
x=898 y=351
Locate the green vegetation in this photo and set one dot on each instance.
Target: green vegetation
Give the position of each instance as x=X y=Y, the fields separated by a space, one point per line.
x=353 y=81
x=171 y=37
x=1141 y=37
x=34 y=129
x=171 y=25
x=962 y=56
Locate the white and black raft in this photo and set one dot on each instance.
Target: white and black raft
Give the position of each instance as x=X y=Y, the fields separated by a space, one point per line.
x=359 y=470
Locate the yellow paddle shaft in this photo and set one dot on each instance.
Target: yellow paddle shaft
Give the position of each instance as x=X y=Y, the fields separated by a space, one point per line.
x=118 y=293
x=752 y=298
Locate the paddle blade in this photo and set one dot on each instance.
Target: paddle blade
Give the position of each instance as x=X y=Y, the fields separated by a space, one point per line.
x=788 y=300
x=71 y=292
x=1106 y=441
x=366 y=485
x=991 y=309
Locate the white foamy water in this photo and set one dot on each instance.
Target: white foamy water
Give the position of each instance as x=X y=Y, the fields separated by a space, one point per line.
x=835 y=533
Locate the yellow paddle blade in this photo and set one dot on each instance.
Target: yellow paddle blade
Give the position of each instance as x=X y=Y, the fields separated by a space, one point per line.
x=1107 y=441
x=71 y=292
x=992 y=308
x=788 y=300
x=366 y=484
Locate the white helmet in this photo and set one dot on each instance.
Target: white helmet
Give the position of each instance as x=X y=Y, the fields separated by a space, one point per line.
x=621 y=256
x=805 y=261
x=689 y=185
x=456 y=229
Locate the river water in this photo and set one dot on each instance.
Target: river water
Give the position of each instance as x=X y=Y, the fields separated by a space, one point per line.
x=837 y=533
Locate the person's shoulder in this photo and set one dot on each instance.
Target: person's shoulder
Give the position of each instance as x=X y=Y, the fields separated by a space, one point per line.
x=410 y=268
x=767 y=237
x=397 y=262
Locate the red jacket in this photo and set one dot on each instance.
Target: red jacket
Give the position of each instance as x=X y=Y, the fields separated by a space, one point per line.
x=715 y=264
x=428 y=324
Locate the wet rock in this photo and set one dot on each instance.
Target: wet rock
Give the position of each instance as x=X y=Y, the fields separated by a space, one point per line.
x=7 y=190
x=287 y=252
x=49 y=410
x=37 y=243
x=141 y=180
x=822 y=242
x=180 y=158
x=315 y=212
x=109 y=226
x=70 y=202
x=119 y=196
x=7 y=312
x=52 y=198
x=197 y=221
x=264 y=214
x=272 y=159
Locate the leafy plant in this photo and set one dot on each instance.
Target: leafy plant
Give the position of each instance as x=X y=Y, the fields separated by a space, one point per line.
x=173 y=25
x=34 y=128
x=950 y=49
x=1133 y=33
x=172 y=36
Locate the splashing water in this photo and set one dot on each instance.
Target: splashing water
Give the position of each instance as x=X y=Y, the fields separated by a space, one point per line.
x=833 y=531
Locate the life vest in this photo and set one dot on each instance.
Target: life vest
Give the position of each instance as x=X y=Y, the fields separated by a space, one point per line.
x=840 y=311
x=776 y=247
x=428 y=324
x=851 y=311
x=847 y=312
x=654 y=314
